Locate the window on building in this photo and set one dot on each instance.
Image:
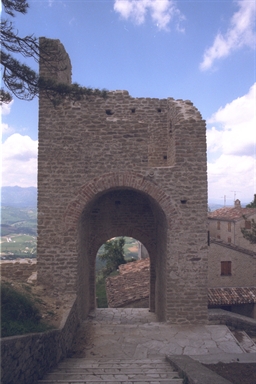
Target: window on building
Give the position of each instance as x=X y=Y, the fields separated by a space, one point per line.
x=229 y=226
x=225 y=268
x=218 y=237
x=229 y=239
x=247 y=224
x=218 y=224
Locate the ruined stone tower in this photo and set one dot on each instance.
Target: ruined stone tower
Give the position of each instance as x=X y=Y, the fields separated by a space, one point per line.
x=123 y=166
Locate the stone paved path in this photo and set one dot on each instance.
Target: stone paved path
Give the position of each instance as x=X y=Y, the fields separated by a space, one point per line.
x=129 y=346
x=135 y=333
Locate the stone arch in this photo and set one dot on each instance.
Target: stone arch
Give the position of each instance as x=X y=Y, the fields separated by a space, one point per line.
x=148 y=223
x=99 y=185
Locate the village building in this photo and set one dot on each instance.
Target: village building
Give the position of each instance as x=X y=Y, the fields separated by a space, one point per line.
x=225 y=225
x=130 y=289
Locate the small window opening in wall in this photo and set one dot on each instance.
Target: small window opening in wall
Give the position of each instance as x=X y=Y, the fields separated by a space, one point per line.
x=225 y=268
x=229 y=240
x=165 y=157
x=109 y=112
x=218 y=224
x=183 y=201
x=229 y=226
x=133 y=110
x=159 y=110
x=218 y=237
x=247 y=224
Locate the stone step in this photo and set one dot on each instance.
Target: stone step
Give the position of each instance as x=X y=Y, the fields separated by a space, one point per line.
x=109 y=365
x=246 y=343
x=111 y=370
x=143 y=381
x=83 y=371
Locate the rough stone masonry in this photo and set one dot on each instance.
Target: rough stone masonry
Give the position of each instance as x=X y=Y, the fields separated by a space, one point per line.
x=122 y=166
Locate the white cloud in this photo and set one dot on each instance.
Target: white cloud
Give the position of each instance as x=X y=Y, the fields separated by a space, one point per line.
x=19 y=161
x=240 y=33
x=232 y=173
x=5 y=109
x=5 y=128
x=161 y=11
x=237 y=122
x=234 y=140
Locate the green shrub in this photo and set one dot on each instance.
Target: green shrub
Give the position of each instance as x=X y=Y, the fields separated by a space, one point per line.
x=19 y=314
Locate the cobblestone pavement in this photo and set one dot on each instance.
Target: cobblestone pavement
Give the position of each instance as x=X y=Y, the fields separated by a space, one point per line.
x=135 y=333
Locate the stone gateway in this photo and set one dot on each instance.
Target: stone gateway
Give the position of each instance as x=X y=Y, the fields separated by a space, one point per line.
x=122 y=166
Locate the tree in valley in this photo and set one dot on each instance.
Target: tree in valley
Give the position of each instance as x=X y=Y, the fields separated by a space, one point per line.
x=113 y=255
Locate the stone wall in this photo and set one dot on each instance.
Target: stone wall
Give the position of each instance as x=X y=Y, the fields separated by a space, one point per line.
x=243 y=266
x=230 y=231
x=25 y=359
x=233 y=320
x=19 y=269
x=123 y=166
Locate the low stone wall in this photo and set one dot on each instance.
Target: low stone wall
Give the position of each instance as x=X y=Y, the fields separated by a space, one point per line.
x=234 y=320
x=26 y=358
x=19 y=269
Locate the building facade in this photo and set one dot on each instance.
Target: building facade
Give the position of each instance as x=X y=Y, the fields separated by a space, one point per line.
x=122 y=166
x=225 y=225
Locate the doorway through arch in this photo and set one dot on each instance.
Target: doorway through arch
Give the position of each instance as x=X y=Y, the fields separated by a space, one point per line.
x=113 y=213
x=122 y=274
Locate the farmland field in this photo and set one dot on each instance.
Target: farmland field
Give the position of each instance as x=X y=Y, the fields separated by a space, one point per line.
x=18 y=246
x=18 y=232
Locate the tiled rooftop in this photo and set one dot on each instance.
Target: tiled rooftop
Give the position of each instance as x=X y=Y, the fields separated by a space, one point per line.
x=132 y=284
x=235 y=213
x=231 y=296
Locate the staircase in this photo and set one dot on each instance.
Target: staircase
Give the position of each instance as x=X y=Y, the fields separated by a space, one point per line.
x=112 y=371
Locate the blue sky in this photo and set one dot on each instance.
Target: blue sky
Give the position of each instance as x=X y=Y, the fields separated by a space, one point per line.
x=203 y=51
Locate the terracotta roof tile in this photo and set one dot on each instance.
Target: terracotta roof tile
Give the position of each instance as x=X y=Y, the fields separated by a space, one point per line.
x=132 y=284
x=235 y=213
x=231 y=296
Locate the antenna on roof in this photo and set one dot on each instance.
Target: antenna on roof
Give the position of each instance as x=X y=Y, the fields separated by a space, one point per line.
x=225 y=198
x=235 y=192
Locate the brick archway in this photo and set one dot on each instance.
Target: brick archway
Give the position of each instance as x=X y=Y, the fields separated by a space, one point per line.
x=99 y=185
x=78 y=219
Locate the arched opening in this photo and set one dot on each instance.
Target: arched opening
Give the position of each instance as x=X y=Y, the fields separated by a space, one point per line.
x=116 y=212
x=122 y=274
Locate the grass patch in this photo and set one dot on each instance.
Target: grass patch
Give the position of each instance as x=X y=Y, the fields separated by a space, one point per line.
x=101 y=294
x=19 y=315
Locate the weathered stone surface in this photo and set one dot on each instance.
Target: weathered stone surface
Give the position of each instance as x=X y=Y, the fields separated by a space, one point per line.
x=19 y=269
x=123 y=166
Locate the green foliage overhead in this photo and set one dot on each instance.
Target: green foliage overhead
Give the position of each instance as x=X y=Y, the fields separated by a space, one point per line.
x=19 y=79
x=113 y=255
x=252 y=204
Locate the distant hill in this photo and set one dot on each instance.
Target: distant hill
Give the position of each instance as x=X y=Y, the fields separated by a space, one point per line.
x=19 y=197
